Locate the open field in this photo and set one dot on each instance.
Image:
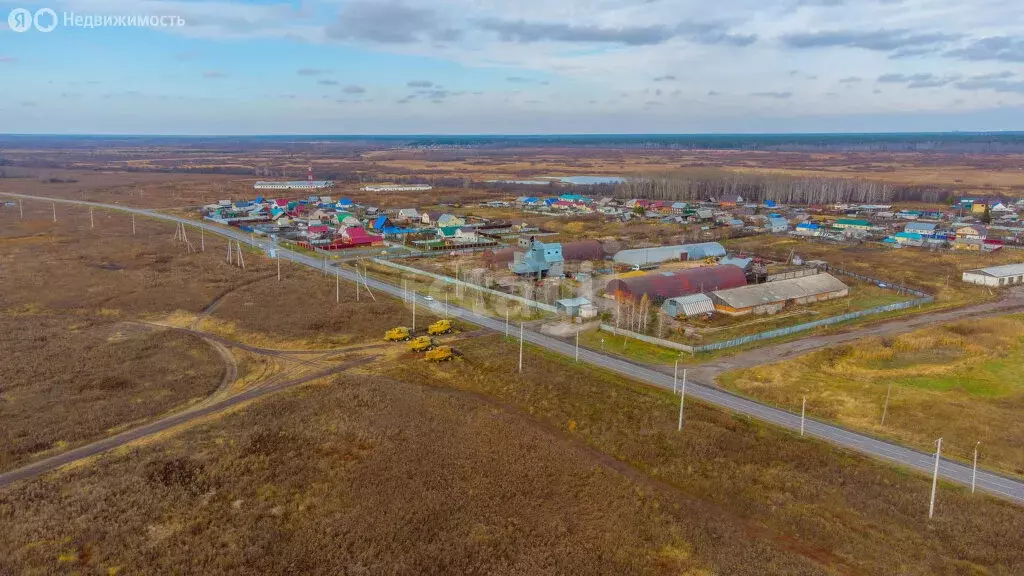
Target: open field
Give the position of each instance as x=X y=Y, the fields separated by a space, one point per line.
x=851 y=513
x=301 y=311
x=936 y=272
x=106 y=270
x=363 y=474
x=958 y=381
x=69 y=380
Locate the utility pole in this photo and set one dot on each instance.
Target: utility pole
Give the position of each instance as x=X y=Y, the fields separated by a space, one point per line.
x=54 y=206
x=133 y=224
x=974 y=471
x=577 y=345
x=228 y=259
x=414 y=312
x=241 y=260
x=675 y=378
x=202 y=241
x=885 y=407
x=803 y=414
x=92 y=221
x=21 y=209
x=520 y=347
x=935 y=478
x=682 y=399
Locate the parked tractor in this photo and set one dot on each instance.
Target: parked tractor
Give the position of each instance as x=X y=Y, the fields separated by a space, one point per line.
x=441 y=354
x=440 y=327
x=397 y=334
x=421 y=344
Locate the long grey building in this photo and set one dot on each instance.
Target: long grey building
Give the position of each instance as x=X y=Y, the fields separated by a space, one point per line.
x=772 y=297
x=659 y=254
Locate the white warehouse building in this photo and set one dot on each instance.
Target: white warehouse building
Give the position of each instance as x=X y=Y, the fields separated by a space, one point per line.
x=659 y=254
x=294 y=185
x=995 y=276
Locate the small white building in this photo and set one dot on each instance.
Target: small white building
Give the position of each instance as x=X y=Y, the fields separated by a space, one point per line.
x=996 y=276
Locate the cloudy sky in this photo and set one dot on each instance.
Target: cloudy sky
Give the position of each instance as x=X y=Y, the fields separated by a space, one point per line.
x=517 y=66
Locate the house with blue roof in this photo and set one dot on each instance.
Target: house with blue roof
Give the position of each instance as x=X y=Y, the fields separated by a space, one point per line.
x=909 y=239
x=777 y=224
x=382 y=222
x=807 y=229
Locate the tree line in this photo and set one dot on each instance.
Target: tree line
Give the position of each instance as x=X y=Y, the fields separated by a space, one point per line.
x=779 y=188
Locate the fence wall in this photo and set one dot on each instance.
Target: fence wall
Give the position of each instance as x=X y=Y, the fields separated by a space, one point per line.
x=649 y=339
x=920 y=300
x=454 y=282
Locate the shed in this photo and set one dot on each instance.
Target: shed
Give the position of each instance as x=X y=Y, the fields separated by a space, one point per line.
x=772 y=297
x=571 y=306
x=692 y=305
x=1006 y=275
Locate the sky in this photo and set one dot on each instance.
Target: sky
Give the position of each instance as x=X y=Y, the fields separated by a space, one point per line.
x=513 y=67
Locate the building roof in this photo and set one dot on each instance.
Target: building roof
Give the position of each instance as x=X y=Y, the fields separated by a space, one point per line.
x=920 y=227
x=663 y=285
x=909 y=235
x=1001 y=271
x=779 y=291
x=692 y=305
x=657 y=254
x=572 y=302
x=852 y=222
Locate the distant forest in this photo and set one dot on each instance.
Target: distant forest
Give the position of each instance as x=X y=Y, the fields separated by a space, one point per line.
x=784 y=189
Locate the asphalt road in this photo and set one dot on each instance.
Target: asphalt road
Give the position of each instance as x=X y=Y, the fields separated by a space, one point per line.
x=987 y=481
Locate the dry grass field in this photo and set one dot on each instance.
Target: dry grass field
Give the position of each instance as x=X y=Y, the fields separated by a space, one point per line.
x=301 y=312
x=106 y=270
x=960 y=382
x=68 y=380
x=850 y=513
x=365 y=475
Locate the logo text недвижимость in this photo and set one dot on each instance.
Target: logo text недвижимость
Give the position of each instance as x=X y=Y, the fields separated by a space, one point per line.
x=46 y=20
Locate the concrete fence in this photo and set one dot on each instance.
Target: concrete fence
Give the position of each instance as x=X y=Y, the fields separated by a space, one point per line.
x=454 y=282
x=649 y=339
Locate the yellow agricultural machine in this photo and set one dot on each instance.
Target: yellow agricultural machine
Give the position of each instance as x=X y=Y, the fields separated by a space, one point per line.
x=441 y=354
x=421 y=344
x=397 y=334
x=440 y=327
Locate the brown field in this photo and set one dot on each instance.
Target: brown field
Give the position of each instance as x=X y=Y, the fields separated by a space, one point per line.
x=69 y=380
x=958 y=382
x=301 y=310
x=367 y=475
x=106 y=270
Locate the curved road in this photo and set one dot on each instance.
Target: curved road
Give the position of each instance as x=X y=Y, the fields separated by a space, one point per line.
x=990 y=482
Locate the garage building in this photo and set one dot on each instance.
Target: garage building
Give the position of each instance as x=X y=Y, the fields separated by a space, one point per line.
x=995 y=276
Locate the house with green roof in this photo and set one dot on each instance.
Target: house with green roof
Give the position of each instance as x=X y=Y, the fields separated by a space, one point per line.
x=850 y=224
